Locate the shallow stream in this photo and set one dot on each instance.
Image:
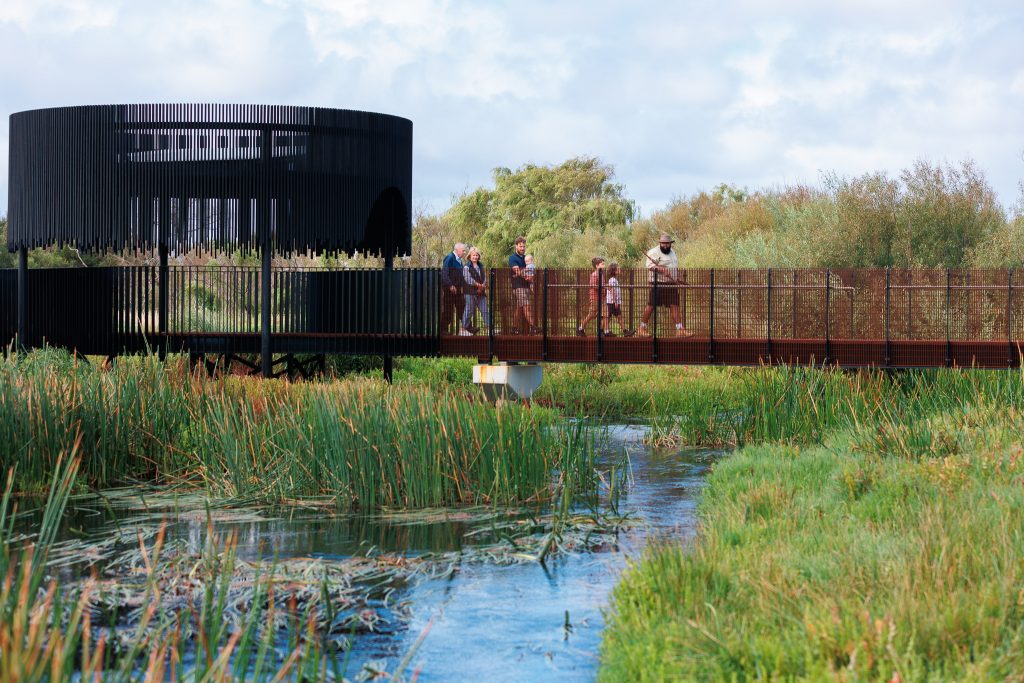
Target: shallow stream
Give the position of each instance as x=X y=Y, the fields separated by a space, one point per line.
x=459 y=611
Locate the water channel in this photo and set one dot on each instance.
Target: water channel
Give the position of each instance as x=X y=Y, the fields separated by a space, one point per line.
x=460 y=616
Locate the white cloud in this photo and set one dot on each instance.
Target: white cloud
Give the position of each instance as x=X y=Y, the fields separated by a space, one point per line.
x=58 y=16
x=679 y=96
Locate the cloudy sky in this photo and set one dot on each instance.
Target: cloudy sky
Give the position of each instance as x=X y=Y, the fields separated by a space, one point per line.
x=679 y=95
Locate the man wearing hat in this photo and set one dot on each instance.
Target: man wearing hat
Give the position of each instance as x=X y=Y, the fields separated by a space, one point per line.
x=663 y=268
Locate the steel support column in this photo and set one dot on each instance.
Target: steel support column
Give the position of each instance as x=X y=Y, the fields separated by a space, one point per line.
x=389 y=269
x=267 y=254
x=23 y=298
x=163 y=302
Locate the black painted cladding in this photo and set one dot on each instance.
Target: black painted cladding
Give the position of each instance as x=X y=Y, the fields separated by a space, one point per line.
x=203 y=176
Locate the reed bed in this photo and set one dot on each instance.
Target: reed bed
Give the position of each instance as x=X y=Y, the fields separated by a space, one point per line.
x=737 y=406
x=358 y=442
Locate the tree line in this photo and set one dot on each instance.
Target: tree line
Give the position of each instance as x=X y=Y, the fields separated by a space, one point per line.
x=929 y=215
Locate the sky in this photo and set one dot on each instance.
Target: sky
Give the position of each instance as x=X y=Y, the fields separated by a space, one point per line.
x=677 y=96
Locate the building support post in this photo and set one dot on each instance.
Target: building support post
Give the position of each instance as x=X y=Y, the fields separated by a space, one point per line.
x=163 y=315
x=267 y=358
x=266 y=247
x=389 y=266
x=23 y=298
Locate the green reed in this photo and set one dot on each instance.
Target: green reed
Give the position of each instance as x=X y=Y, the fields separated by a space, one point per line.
x=359 y=442
x=50 y=631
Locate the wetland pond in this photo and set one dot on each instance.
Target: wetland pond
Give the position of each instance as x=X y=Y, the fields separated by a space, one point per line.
x=451 y=595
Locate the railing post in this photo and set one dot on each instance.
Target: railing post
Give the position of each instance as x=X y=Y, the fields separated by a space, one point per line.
x=600 y=305
x=490 y=319
x=828 y=315
x=887 y=316
x=769 y=332
x=654 y=319
x=949 y=354
x=711 y=317
x=739 y=303
x=162 y=316
x=544 y=322
x=793 y=295
x=23 y=298
x=1009 y=317
x=267 y=365
x=683 y=315
x=387 y=296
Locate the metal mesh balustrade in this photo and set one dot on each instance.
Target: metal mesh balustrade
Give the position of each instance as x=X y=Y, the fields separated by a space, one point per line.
x=847 y=317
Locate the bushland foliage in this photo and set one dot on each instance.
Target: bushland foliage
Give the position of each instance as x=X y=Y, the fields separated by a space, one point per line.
x=942 y=215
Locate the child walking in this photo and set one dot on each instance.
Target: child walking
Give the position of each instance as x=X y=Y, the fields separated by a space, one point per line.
x=613 y=300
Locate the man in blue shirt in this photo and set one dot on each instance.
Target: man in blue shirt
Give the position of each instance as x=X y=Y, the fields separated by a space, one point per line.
x=452 y=281
x=521 y=287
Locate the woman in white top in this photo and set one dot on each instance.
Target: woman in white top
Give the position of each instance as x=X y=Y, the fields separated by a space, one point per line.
x=475 y=291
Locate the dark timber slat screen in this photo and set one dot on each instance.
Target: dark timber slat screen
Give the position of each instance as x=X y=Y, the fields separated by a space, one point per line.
x=126 y=177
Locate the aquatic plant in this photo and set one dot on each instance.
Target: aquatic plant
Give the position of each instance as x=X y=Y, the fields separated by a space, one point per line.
x=358 y=441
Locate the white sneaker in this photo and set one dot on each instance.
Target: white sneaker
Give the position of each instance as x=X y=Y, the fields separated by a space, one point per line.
x=465 y=333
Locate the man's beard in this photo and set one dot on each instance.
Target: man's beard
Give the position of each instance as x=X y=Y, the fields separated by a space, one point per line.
x=666 y=250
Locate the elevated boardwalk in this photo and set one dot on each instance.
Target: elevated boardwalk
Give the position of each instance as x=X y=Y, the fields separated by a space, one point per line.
x=847 y=318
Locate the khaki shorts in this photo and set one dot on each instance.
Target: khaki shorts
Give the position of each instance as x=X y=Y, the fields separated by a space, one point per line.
x=522 y=296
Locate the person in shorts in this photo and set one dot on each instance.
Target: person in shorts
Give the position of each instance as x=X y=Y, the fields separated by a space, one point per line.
x=663 y=271
x=521 y=293
x=593 y=295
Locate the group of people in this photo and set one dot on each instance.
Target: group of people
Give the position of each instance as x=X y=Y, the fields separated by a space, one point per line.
x=663 y=273
x=464 y=288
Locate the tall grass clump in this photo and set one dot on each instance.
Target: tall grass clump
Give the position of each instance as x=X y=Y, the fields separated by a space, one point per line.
x=359 y=442
x=125 y=421
x=368 y=445
x=723 y=406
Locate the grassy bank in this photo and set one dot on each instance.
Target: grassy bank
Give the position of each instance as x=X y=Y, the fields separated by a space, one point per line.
x=358 y=442
x=891 y=550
